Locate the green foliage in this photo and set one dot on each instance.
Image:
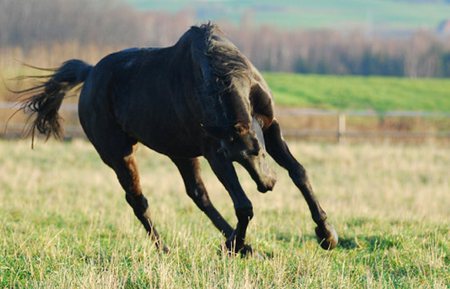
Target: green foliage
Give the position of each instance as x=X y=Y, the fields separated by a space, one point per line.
x=66 y=224
x=341 y=92
x=360 y=93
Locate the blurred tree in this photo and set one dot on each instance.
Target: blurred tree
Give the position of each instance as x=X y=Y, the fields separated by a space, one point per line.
x=25 y=25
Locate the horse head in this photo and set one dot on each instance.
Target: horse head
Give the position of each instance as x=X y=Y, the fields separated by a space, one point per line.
x=244 y=143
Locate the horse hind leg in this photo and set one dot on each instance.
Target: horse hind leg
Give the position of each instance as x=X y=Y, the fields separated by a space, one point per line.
x=117 y=150
x=128 y=176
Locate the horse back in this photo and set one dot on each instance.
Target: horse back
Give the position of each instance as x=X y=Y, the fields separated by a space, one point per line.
x=139 y=90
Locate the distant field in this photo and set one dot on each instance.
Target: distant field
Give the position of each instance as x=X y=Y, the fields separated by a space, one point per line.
x=360 y=93
x=65 y=222
x=291 y=14
x=338 y=92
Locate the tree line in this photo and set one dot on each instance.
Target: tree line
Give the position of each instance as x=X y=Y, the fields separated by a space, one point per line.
x=28 y=24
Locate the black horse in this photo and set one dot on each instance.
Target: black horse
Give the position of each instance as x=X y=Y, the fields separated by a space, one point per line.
x=199 y=97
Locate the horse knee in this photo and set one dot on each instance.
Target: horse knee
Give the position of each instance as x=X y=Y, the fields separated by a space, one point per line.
x=244 y=214
x=298 y=173
x=199 y=196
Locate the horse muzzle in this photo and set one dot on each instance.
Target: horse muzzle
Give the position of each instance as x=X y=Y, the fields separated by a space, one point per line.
x=260 y=172
x=266 y=185
x=265 y=180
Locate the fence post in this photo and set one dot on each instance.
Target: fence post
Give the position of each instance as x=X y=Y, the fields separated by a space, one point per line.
x=341 y=127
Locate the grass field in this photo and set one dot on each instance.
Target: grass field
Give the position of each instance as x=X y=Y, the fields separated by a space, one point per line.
x=65 y=222
x=359 y=93
x=337 y=92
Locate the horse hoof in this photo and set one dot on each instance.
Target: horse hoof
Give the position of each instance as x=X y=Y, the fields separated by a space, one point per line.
x=245 y=251
x=327 y=236
x=230 y=250
x=163 y=249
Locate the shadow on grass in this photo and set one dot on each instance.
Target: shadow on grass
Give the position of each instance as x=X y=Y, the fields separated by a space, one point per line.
x=348 y=244
x=367 y=242
x=370 y=243
x=258 y=253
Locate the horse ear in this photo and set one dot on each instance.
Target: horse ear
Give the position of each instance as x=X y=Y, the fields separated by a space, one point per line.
x=241 y=128
x=215 y=131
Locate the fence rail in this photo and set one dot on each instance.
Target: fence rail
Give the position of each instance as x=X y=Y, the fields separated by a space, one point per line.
x=329 y=124
x=431 y=125
x=397 y=113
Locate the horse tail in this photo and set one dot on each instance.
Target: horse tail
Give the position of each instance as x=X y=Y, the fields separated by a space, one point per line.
x=46 y=98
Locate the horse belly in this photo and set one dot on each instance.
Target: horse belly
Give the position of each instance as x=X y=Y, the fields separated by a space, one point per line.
x=171 y=144
x=165 y=135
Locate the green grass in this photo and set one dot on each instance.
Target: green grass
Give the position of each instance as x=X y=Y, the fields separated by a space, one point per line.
x=65 y=222
x=360 y=93
x=291 y=14
x=333 y=92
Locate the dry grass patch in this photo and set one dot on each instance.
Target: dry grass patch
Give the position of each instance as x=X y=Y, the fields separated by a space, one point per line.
x=65 y=222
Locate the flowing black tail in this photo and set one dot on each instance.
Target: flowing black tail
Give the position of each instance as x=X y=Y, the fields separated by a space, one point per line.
x=46 y=98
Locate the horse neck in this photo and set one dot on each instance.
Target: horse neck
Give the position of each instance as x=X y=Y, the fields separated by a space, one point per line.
x=222 y=95
x=226 y=98
x=225 y=108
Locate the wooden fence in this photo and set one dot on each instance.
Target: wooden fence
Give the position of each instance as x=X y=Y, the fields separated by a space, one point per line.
x=297 y=123
x=364 y=124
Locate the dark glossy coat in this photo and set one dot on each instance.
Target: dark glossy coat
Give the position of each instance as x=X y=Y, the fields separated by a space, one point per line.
x=200 y=97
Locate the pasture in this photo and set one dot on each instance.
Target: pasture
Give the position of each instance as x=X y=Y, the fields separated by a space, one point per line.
x=339 y=93
x=360 y=93
x=66 y=224
x=323 y=91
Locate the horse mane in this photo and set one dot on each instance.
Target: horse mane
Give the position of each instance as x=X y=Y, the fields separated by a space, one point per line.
x=228 y=68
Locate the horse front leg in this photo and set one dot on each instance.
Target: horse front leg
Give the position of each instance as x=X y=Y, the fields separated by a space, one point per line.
x=226 y=173
x=278 y=149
